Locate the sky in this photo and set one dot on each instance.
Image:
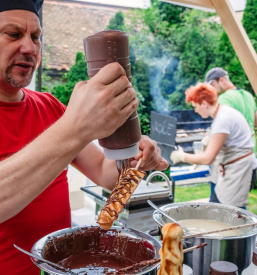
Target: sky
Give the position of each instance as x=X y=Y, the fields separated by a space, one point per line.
x=238 y=5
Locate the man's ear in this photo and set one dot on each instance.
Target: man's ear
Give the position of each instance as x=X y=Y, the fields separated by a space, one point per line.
x=222 y=80
x=205 y=104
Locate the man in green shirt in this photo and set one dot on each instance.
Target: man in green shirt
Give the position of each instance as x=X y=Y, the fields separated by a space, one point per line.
x=237 y=98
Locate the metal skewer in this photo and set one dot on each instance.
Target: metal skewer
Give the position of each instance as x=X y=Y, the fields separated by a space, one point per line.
x=167 y=216
x=45 y=261
x=220 y=230
x=144 y=264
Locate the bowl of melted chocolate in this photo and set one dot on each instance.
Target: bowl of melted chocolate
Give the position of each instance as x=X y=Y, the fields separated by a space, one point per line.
x=95 y=251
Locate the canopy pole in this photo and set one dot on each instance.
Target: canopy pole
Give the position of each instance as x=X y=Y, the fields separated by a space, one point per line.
x=239 y=39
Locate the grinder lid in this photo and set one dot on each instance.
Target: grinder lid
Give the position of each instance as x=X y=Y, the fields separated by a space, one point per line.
x=223 y=268
x=125 y=153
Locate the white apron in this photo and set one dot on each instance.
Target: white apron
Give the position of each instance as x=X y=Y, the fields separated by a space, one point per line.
x=234 y=179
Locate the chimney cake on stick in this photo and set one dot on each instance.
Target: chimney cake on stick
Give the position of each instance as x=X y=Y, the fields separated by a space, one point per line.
x=120 y=195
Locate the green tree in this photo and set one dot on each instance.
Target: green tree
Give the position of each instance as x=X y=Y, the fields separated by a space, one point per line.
x=170 y=13
x=160 y=16
x=193 y=60
x=117 y=22
x=139 y=71
x=250 y=16
x=250 y=21
x=194 y=45
x=78 y=72
x=227 y=59
x=177 y=53
x=47 y=82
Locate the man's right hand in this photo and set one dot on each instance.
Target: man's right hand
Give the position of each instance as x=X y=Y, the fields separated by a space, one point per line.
x=102 y=104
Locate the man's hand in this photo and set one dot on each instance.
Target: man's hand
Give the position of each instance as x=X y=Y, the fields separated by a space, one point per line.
x=151 y=156
x=177 y=156
x=101 y=105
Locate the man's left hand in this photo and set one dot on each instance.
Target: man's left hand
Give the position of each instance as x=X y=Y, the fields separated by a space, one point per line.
x=151 y=156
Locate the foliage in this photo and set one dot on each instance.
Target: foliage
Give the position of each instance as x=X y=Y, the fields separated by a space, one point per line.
x=196 y=42
x=141 y=85
x=47 y=83
x=117 y=22
x=177 y=53
x=172 y=14
x=226 y=58
x=160 y=16
x=140 y=80
x=171 y=48
x=78 y=72
x=250 y=18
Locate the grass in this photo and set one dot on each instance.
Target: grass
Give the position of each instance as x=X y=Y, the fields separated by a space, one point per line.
x=201 y=191
x=190 y=193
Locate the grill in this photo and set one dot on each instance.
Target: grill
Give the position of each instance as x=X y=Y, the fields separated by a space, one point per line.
x=174 y=128
x=192 y=125
x=137 y=213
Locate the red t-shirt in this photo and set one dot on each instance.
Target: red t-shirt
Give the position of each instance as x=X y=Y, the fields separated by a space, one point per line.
x=20 y=123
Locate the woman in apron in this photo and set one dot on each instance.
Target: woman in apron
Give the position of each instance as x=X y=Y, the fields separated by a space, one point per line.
x=230 y=143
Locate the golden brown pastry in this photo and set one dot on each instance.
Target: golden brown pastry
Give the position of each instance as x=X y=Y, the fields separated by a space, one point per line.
x=120 y=195
x=172 y=250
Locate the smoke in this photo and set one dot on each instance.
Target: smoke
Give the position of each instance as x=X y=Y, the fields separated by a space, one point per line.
x=157 y=54
x=157 y=69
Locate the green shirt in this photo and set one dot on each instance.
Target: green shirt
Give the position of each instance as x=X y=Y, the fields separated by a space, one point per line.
x=244 y=102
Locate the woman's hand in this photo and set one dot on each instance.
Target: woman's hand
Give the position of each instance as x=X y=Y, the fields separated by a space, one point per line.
x=178 y=155
x=214 y=146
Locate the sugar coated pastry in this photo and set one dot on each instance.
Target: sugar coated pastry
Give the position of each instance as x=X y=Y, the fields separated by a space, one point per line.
x=172 y=250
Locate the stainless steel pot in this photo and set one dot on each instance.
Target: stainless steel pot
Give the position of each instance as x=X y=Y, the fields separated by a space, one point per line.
x=236 y=249
x=40 y=246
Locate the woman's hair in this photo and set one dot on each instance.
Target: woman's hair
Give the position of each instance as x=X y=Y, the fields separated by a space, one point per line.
x=201 y=92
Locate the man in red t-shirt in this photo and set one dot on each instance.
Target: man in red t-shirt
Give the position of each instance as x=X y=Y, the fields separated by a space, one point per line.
x=39 y=137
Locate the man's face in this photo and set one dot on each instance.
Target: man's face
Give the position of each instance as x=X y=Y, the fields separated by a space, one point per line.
x=19 y=47
x=217 y=84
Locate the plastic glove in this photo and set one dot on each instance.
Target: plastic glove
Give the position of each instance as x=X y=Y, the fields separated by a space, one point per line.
x=177 y=156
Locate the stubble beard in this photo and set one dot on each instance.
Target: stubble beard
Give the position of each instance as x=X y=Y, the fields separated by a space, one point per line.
x=20 y=82
x=22 y=79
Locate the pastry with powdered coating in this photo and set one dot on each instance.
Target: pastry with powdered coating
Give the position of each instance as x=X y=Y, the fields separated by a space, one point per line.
x=120 y=195
x=172 y=250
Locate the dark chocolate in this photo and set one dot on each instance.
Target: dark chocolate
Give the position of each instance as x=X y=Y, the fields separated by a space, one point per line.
x=123 y=189
x=96 y=251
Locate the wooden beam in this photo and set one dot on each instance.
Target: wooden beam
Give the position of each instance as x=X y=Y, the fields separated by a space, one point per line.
x=239 y=39
x=199 y=3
